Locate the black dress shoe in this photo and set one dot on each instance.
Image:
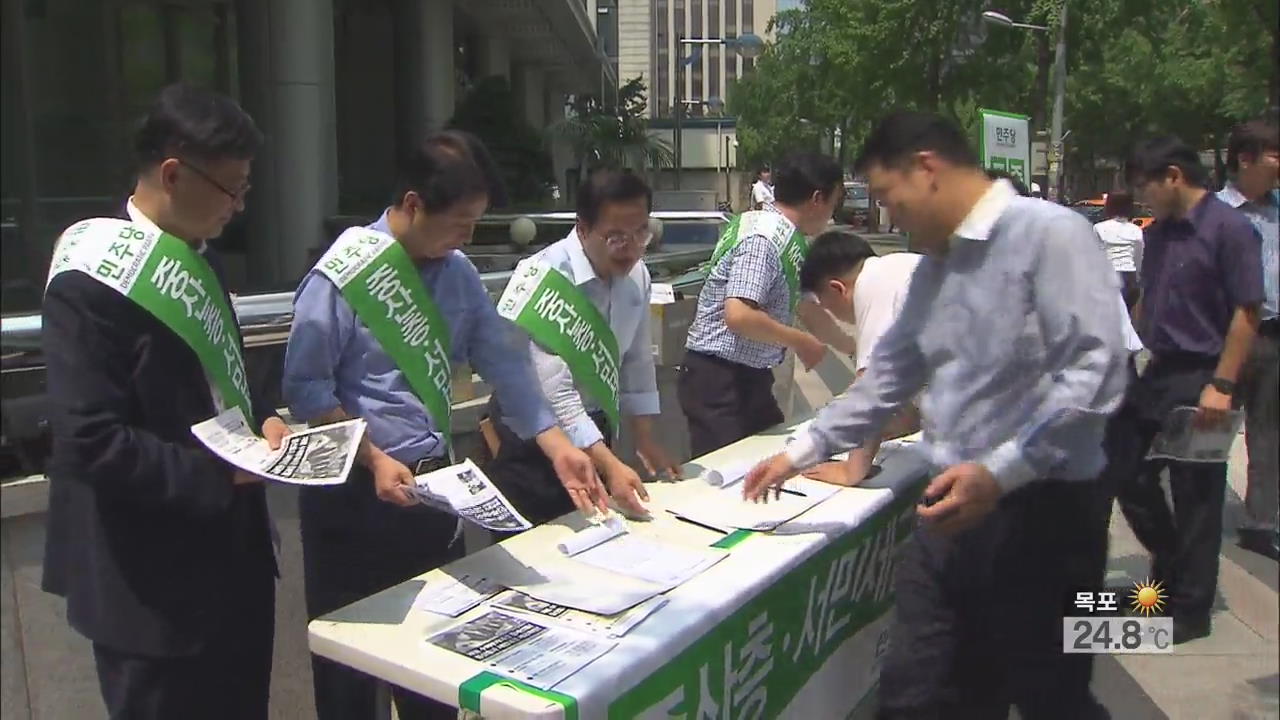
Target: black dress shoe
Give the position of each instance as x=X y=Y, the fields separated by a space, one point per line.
x=1263 y=542
x=1190 y=628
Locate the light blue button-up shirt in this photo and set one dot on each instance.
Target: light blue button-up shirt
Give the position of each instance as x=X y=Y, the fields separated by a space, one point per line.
x=333 y=359
x=1017 y=333
x=624 y=302
x=1265 y=216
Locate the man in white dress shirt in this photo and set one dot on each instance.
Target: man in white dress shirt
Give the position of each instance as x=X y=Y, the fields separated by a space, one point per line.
x=762 y=189
x=601 y=258
x=1122 y=241
x=844 y=278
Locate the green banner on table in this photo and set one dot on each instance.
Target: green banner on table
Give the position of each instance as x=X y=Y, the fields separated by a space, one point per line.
x=470 y=691
x=752 y=664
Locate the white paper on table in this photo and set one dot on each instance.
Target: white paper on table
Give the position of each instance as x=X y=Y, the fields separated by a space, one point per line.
x=725 y=507
x=650 y=560
x=1179 y=438
x=615 y=625
x=318 y=456
x=661 y=294
x=465 y=491
x=592 y=593
x=593 y=535
x=520 y=647
x=453 y=596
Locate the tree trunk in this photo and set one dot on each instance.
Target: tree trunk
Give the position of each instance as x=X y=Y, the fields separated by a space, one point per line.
x=1040 y=99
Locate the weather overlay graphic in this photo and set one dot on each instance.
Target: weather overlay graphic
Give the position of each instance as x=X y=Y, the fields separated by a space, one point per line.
x=1119 y=621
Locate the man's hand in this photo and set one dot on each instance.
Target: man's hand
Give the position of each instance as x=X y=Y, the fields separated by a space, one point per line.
x=392 y=480
x=769 y=474
x=655 y=459
x=847 y=473
x=810 y=350
x=275 y=431
x=626 y=489
x=1214 y=406
x=961 y=497
x=578 y=476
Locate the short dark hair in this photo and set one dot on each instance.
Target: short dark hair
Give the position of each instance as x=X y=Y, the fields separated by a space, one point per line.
x=448 y=167
x=901 y=134
x=1151 y=159
x=1119 y=204
x=187 y=121
x=800 y=175
x=1253 y=138
x=997 y=174
x=832 y=254
x=606 y=186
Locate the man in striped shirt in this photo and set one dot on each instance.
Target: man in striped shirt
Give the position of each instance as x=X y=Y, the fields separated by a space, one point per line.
x=743 y=325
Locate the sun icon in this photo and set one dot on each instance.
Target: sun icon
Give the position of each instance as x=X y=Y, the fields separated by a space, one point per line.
x=1148 y=597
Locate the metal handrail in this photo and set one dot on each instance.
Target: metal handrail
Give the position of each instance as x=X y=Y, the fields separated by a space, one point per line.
x=265 y=318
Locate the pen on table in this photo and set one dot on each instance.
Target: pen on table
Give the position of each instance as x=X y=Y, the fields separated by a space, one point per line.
x=695 y=522
x=789 y=491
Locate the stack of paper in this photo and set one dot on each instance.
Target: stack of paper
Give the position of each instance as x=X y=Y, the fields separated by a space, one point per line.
x=615 y=625
x=724 y=507
x=538 y=654
x=453 y=596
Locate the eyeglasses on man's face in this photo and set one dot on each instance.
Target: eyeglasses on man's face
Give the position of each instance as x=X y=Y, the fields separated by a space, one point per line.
x=235 y=195
x=636 y=238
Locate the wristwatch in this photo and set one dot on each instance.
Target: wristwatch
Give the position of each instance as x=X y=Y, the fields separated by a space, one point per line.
x=1223 y=385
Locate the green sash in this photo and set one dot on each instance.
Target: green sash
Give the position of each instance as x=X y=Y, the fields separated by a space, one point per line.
x=171 y=281
x=559 y=317
x=784 y=236
x=380 y=282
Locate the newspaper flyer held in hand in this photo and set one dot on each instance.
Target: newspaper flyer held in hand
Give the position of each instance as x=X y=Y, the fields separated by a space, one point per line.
x=1181 y=440
x=529 y=651
x=319 y=456
x=464 y=490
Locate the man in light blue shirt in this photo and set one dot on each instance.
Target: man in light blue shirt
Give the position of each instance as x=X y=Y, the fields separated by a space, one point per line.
x=602 y=258
x=1253 y=161
x=368 y=534
x=1011 y=321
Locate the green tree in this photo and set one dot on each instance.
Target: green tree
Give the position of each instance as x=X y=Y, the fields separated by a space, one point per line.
x=603 y=135
x=489 y=110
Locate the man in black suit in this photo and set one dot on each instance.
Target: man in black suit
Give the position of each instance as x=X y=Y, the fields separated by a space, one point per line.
x=163 y=551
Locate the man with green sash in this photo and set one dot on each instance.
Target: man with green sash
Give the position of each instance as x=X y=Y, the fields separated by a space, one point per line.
x=743 y=324
x=377 y=324
x=584 y=301
x=162 y=551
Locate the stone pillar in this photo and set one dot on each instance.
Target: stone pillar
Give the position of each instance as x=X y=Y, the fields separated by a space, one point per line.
x=531 y=94
x=303 y=131
x=286 y=80
x=495 y=56
x=435 y=45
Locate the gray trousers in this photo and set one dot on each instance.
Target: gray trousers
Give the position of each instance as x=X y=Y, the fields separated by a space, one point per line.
x=1262 y=426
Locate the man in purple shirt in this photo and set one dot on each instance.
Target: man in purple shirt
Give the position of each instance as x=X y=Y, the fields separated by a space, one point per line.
x=1198 y=314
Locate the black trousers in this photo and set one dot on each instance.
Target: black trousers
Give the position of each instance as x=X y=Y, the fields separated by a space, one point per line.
x=229 y=678
x=1130 y=290
x=353 y=546
x=525 y=475
x=1184 y=541
x=978 y=616
x=724 y=401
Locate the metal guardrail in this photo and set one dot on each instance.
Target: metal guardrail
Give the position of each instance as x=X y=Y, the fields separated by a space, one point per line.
x=265 y=319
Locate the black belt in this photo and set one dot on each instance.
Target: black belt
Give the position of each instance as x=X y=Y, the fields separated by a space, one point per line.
x=429 y=464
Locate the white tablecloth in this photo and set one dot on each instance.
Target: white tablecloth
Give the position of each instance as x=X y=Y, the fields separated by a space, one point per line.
x=382 y=636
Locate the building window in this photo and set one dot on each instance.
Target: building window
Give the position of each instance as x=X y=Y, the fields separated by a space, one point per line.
x=681 y=8
x=660 y=93
x=697 y=68
x=748 y=26
x=730 y=30
x=714 y=70
x=70 y=108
